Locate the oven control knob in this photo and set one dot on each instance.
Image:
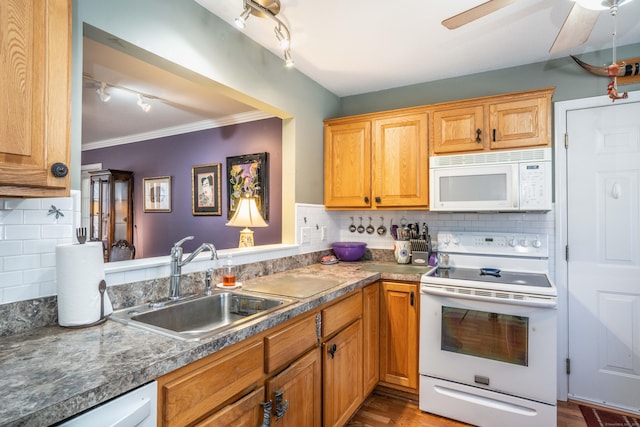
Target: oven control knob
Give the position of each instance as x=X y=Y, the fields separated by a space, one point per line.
x=524 y=242
x=456 y=240
x=513 y=242
x=536 y=242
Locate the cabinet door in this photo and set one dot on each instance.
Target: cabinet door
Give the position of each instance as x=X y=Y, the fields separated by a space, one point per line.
x=371 y=337
x=300 y=388
x=246 y=412
x=456 y=130
x=347 y=165
x=518 y=124
x=35 y=40
x=342 y=363
x=399 y=335
x=401 y=161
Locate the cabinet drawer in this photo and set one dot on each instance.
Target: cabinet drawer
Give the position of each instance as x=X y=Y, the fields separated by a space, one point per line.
x=245 y=412
x=341 y=314
x=196 y=393
x=287 y=344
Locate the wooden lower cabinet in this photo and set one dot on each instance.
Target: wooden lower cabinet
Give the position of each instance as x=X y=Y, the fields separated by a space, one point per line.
x=312 y=376
x=300 y=390
x=246 y=412
x=342 y=375
x=370 y=337
x=399 y=317
x=193 y=392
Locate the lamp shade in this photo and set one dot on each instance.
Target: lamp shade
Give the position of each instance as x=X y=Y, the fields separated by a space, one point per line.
x=247 y=214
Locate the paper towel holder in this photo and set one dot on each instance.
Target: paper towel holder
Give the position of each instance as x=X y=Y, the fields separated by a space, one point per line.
x=102 y=286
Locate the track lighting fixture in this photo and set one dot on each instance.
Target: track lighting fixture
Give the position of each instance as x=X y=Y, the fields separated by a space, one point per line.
x=282 y=38
x=241 y=21
x=288 y=61
x=145 y=107
x=268 y=9
x=101 y=91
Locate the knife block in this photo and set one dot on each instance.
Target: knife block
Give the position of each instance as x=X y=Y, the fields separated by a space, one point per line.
x=419 y=258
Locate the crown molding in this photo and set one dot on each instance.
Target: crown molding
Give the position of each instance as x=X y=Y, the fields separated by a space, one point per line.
x=232 y=119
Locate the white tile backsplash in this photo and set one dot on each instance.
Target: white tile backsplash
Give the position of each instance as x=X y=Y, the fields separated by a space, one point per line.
x=29 y=235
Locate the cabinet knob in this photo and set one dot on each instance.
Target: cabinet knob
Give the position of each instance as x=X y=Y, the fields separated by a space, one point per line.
x=378 y=199
x=59 y=170
x=366 y=199
x=478 y=133
x=332 y=350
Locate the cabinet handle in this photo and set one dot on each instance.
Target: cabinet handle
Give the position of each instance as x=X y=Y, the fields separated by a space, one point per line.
x=366 y=199
x=266 y=409
x=494 y=135
x=332 y=350
x=412 y=297
x=378 y=199
x=59 y=170
x=281 y=407
x=478 y=139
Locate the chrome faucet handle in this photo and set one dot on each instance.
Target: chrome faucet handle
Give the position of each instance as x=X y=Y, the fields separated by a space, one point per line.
x=180 y=242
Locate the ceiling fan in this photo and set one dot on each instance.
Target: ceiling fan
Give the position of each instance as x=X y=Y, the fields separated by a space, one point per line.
x=574 y=31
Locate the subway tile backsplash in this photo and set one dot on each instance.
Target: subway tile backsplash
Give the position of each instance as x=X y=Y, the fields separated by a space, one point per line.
x=29 y=234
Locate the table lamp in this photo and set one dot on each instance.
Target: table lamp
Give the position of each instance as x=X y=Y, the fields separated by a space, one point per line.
x=246 y=215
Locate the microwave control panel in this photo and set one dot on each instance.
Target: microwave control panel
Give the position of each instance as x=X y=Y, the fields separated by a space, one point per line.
x=535 y=186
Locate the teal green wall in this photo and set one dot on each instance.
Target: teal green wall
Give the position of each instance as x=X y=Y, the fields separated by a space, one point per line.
x=570 y=81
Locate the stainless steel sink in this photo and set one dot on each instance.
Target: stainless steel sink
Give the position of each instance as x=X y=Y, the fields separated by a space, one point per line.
x=195 y=318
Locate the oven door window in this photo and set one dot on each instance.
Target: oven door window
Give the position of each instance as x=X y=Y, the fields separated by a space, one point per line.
x=495 y=336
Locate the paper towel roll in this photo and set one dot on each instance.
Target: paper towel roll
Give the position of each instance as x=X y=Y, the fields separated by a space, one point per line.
x=79 y=270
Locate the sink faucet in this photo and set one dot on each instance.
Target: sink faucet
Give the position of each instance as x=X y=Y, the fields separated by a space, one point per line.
x=177 y=263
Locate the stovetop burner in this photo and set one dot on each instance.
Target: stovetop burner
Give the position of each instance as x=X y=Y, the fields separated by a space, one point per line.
x=493 y=276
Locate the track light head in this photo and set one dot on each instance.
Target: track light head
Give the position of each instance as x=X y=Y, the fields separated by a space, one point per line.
x=143 y=105
x=288 y=61
x=241 y=21
x=282 y=38
x=104 y=96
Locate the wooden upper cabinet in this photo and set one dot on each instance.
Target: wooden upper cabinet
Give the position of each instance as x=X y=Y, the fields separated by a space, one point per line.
x=520 y=123
x=401 y=161
x=378 y=161
x=35 y=40
x=347 y=165
x=517 y=120
x=458 y=129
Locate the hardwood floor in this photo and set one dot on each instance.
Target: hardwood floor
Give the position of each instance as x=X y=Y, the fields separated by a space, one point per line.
x=380 y=410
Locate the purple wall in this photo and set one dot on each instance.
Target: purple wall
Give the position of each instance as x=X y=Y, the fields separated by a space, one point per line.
x=155 y=232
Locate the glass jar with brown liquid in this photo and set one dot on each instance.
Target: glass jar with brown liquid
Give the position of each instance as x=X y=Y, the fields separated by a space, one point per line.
x=229 y=277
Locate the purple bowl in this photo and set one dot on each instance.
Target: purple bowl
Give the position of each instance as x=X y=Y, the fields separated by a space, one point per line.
x=349 y=251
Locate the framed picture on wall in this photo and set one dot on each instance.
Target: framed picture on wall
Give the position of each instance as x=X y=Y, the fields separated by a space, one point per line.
x=206 y=196
x=248 y=175
x=157 y=194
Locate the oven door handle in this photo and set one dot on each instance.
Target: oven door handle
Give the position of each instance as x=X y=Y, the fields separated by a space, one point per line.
x=543 y=303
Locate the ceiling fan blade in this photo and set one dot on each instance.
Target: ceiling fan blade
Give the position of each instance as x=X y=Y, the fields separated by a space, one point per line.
x=474 y=13
x=575 y=29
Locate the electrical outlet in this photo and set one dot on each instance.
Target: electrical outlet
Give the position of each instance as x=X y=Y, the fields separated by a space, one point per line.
x=305 y=235
x=323 y=233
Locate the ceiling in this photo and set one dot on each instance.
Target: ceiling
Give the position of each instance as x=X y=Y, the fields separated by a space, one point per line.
x=349 y=47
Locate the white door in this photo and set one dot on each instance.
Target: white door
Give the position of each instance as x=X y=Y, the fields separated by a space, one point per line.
x=603 y=232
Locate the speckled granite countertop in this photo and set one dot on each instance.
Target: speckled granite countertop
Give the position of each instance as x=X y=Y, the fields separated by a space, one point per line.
x=52 y=373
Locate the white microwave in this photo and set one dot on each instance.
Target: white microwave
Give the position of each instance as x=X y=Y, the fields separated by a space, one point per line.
x=498 y=181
